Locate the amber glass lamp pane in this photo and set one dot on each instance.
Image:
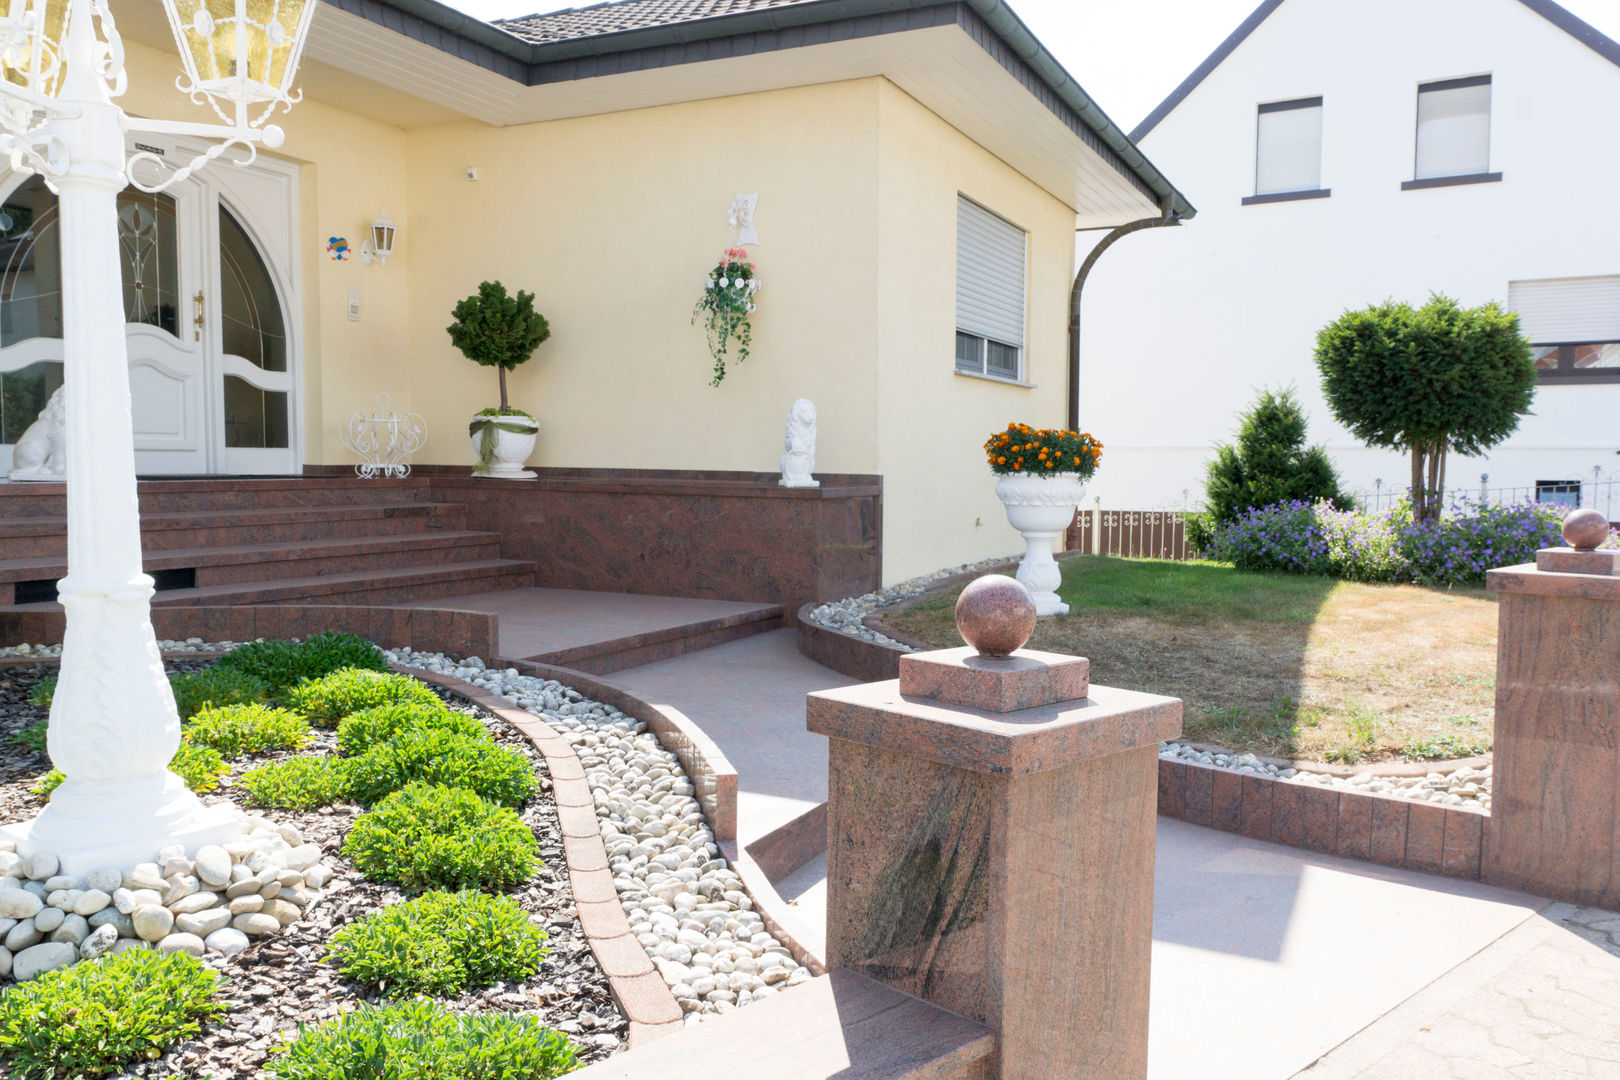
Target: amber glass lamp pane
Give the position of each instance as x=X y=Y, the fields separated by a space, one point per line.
x=28 y=61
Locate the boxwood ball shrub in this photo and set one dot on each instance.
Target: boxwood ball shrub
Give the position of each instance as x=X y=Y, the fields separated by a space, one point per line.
x=235 y=730
x=330 y=698
x=440 y=943
x=423 y=1040
x=97 y=1017
x=442 y=757
x=425 y=837
x=199 y=766
x=195 y=691
x=360 y=731
x=282 y=663
x=298 y=783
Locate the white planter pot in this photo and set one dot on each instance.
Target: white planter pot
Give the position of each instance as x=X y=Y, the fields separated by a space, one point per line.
x=1041 y=508
x=512 y=449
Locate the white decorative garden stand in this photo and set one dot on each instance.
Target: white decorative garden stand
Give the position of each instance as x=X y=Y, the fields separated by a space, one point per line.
x=113 y=723
x=512 y=448
x=1041 y=508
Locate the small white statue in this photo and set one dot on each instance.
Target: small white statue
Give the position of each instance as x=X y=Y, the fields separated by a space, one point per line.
x=799 y=443
x=41 y=453
x=741 y=219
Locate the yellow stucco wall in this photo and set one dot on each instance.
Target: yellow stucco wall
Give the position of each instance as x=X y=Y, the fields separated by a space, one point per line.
x=613 y=222
x=939 y=504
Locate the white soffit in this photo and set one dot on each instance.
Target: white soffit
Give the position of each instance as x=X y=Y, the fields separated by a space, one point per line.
x=941 y=67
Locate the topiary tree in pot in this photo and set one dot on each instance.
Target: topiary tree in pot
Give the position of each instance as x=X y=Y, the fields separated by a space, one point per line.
x=500 y=331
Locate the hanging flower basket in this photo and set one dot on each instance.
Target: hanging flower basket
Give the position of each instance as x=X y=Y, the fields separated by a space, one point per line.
x=725 y=307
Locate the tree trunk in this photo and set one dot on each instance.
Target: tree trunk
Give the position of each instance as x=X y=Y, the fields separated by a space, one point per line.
x=1417 y=490
x=1441 y=449
x=502 y=370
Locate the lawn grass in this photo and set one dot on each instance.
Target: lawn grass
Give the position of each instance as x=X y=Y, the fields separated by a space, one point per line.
x=1282 y=665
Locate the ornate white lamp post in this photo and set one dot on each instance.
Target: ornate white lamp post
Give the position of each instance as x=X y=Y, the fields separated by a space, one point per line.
x=113 y=721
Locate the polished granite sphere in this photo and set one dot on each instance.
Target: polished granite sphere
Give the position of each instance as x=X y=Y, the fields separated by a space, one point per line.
x=1585 y=529
x=995 y=614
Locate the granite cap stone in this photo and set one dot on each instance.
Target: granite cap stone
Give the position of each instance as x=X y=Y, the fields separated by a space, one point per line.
x=1578 y=561
x=1108 y=721
x=1026 y=679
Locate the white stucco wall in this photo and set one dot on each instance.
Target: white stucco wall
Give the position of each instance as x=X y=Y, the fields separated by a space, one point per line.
x=1181 y=327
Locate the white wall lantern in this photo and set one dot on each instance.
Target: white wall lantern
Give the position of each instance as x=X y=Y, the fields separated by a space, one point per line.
x=113 y=721
x=380 y=243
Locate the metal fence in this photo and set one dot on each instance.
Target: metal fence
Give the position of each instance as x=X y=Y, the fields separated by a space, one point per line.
x=1598 y=491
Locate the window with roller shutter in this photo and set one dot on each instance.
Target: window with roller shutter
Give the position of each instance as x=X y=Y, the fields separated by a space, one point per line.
x=1288 y=151
x=990 y=261
x=1573 y=324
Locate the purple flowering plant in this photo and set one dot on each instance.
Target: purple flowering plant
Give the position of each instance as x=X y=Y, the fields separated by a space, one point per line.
x=1387 y=546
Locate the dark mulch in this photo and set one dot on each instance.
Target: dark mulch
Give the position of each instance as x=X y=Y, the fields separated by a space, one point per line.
x=281 y=981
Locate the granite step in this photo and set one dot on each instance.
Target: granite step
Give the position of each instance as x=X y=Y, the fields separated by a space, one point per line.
x=224 y=493
x=292 y=559
x=383 y=586
x=36 y=537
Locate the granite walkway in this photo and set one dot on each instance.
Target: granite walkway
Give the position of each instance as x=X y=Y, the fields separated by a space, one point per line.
x=1269 y=963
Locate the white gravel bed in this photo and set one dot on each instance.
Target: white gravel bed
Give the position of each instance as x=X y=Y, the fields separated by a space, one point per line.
x=686 y=906
x=189 y=645
x=1460 y=787
x=845 y=616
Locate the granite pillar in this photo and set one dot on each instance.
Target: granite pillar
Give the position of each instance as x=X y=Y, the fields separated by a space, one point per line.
x=990 y=849
x=1554 y=828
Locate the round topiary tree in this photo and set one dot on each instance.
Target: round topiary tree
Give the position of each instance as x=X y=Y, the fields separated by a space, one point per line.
x=1270 y=463
x=1427 y=380
x=497 y=330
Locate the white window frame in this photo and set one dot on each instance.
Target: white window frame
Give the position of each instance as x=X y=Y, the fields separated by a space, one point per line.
x=986 y=315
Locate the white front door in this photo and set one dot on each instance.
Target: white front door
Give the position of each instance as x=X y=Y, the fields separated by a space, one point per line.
x=208 y=271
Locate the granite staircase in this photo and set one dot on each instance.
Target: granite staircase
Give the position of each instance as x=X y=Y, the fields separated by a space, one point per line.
x=230 y=541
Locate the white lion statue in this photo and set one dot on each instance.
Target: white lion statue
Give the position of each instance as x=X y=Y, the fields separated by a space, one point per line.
x=799 y=443
x=41 y=453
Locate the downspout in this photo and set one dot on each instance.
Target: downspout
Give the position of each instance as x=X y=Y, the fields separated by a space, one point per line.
x=1168 y=216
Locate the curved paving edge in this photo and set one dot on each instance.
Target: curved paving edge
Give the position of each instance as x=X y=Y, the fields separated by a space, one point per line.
x=637 y=987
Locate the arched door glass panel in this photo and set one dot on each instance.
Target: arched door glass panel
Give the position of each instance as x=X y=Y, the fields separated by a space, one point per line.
x=252 y=330
x=150 y=260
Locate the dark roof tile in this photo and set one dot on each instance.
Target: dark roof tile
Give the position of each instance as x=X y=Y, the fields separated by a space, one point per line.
x=612 y=18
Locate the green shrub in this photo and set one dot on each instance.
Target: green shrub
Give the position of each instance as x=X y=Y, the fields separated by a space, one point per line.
x=442 y=757
x=282 y=664
x=332 y=697
x=440 y=943
x=199 y=766
x=359 y=732
x=235 y=730
x=424 y=837
x=1269 y=464
x=299 y=783
x=212 y=687
x=32 y=737
x=43 y=692
x=423 y=1040
x=97 y=1017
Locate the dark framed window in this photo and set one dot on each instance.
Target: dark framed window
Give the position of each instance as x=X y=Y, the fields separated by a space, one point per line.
x=1452 y=142
x=991 y=254
x=1574 y=325
x=1559 y=492
x=1578 y=361
x=1288 y=151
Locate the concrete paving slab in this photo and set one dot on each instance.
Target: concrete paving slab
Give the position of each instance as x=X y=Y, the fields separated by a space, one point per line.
x=1265 y=956
x=537 y=622
x=1540 y=1003
x=748 y=696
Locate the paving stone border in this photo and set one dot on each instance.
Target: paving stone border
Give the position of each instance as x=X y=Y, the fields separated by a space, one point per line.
x=640 y=992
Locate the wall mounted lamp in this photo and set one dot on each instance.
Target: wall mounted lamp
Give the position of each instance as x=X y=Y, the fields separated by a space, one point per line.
x=379 y=243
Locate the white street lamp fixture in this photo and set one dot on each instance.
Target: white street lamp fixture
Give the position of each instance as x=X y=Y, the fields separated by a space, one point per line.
x=113 y=722
x=380 y=244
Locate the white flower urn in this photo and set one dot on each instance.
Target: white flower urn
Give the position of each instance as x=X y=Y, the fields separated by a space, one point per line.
x=512 y=443
x=1041 y=508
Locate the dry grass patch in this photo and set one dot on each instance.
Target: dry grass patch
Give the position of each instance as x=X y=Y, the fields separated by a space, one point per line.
x=1281 y=665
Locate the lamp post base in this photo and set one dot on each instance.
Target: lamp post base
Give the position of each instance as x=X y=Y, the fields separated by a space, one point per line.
x=119 y=823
